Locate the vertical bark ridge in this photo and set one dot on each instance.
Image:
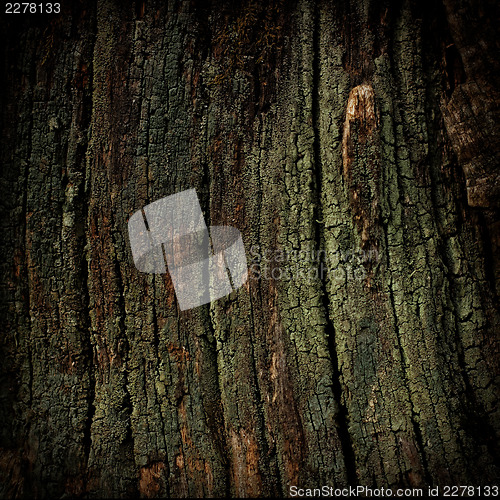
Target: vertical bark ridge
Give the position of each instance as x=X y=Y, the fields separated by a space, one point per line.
x=342 y=414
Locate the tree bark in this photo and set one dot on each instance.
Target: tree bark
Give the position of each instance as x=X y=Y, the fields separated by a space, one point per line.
x=355 y=145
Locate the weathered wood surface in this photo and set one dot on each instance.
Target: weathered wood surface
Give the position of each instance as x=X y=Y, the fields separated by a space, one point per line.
x=364 y=132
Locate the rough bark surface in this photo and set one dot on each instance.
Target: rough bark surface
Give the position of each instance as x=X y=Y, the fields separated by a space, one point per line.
x=356 y=147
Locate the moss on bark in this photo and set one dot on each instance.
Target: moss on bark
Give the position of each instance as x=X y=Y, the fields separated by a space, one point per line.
x=341 y=141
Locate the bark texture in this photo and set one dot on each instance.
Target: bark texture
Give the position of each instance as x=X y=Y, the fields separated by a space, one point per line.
x=354 y=144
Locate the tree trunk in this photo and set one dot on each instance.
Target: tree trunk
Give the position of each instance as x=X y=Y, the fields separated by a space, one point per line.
x=354 y=144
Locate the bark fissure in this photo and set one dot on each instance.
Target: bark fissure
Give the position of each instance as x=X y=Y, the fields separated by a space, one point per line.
x=319 y=225
x=224 y=448
x=156 y=345
x=25 y=239
x=91 y=359
x=402 y=359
